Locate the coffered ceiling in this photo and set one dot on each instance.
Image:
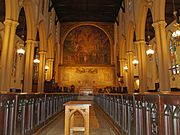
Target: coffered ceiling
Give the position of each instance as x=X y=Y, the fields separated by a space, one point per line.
x=87 y=10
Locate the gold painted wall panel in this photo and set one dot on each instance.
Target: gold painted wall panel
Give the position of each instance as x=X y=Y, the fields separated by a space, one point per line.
x=87 y=76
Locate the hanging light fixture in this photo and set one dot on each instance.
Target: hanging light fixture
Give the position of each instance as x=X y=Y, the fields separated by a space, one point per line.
x=20 y=50
x=176 y=33
x=150 y=50
x=36 y=60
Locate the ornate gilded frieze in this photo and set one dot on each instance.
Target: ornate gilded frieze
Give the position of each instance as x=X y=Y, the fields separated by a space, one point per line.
x=87 y=70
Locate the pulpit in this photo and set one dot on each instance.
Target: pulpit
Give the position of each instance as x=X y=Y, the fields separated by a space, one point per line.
x=70 y=108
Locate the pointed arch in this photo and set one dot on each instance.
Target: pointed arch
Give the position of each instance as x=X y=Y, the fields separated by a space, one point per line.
x=158 y=10
x=122 y=49
x=51 y=46
x=88 y=24
x=77 y=110
x=30 y=20
x=130 y=36
x=141 y=21
x=42 y=35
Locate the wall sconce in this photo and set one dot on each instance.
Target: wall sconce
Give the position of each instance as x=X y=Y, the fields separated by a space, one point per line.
x=21 y=52
x=125 y=68
x=135 y=62
x=36 y=61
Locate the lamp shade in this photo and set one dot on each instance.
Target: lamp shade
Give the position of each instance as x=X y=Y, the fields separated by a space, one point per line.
x=176 y=33
x=20 y=51
x=135 y=62
x=125 y=68
x=36 y=61
x=46 y=67
x=150 y=51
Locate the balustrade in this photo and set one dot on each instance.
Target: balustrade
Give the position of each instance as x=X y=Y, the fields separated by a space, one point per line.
x=23 y=114
x=143 y=114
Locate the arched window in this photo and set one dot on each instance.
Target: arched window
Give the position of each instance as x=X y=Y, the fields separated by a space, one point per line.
x=173 y=57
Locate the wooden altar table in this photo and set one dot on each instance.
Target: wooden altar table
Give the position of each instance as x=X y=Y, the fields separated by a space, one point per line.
x=70 y=108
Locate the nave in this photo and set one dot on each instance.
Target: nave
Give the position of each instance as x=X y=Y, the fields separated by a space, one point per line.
x=98 y=124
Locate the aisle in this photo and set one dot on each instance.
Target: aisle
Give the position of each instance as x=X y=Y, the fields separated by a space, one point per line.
x=98 y=125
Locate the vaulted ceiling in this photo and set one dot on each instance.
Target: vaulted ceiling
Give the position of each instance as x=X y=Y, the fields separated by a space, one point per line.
x=87 y=10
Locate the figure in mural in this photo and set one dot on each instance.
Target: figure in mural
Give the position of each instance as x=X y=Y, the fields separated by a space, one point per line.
x=86 y=45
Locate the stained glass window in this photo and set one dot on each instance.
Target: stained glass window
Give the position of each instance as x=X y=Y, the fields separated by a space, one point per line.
x=173 y=57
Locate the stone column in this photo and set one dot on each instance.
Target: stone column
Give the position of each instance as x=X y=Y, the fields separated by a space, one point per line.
x=162 y=48
x=50 y=70
x=57 y=59
x=41 y=73
x=141 y=46
x=61 y=54
x=130 y=57
x=28 y=73
x=7 y=54
x=114 y=52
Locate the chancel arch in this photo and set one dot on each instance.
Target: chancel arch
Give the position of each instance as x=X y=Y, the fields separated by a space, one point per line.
x=87 y=57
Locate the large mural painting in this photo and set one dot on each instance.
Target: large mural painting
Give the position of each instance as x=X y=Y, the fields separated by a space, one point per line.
x=87 y=45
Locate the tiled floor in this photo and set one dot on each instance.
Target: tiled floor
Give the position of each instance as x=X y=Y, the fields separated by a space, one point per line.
x=98 y=125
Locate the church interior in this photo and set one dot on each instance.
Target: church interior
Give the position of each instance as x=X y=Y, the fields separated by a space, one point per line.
x=89 y=67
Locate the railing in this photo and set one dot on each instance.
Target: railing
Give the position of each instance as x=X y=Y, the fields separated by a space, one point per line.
x=143 y=114
x=23 y=114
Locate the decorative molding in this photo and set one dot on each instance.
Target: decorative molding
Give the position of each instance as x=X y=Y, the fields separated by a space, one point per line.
x=20 y=3
x=87 y=70
x=130 y=5
x=149 y=3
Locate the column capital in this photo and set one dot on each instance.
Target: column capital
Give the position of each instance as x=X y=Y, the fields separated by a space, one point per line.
x=140 y=41
x=42 y=52
x=129 y=52
x=20 y=44
x=50 y=59
x=122 y=59
x=11 y=22
x=159 y=23
x=31 y=41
